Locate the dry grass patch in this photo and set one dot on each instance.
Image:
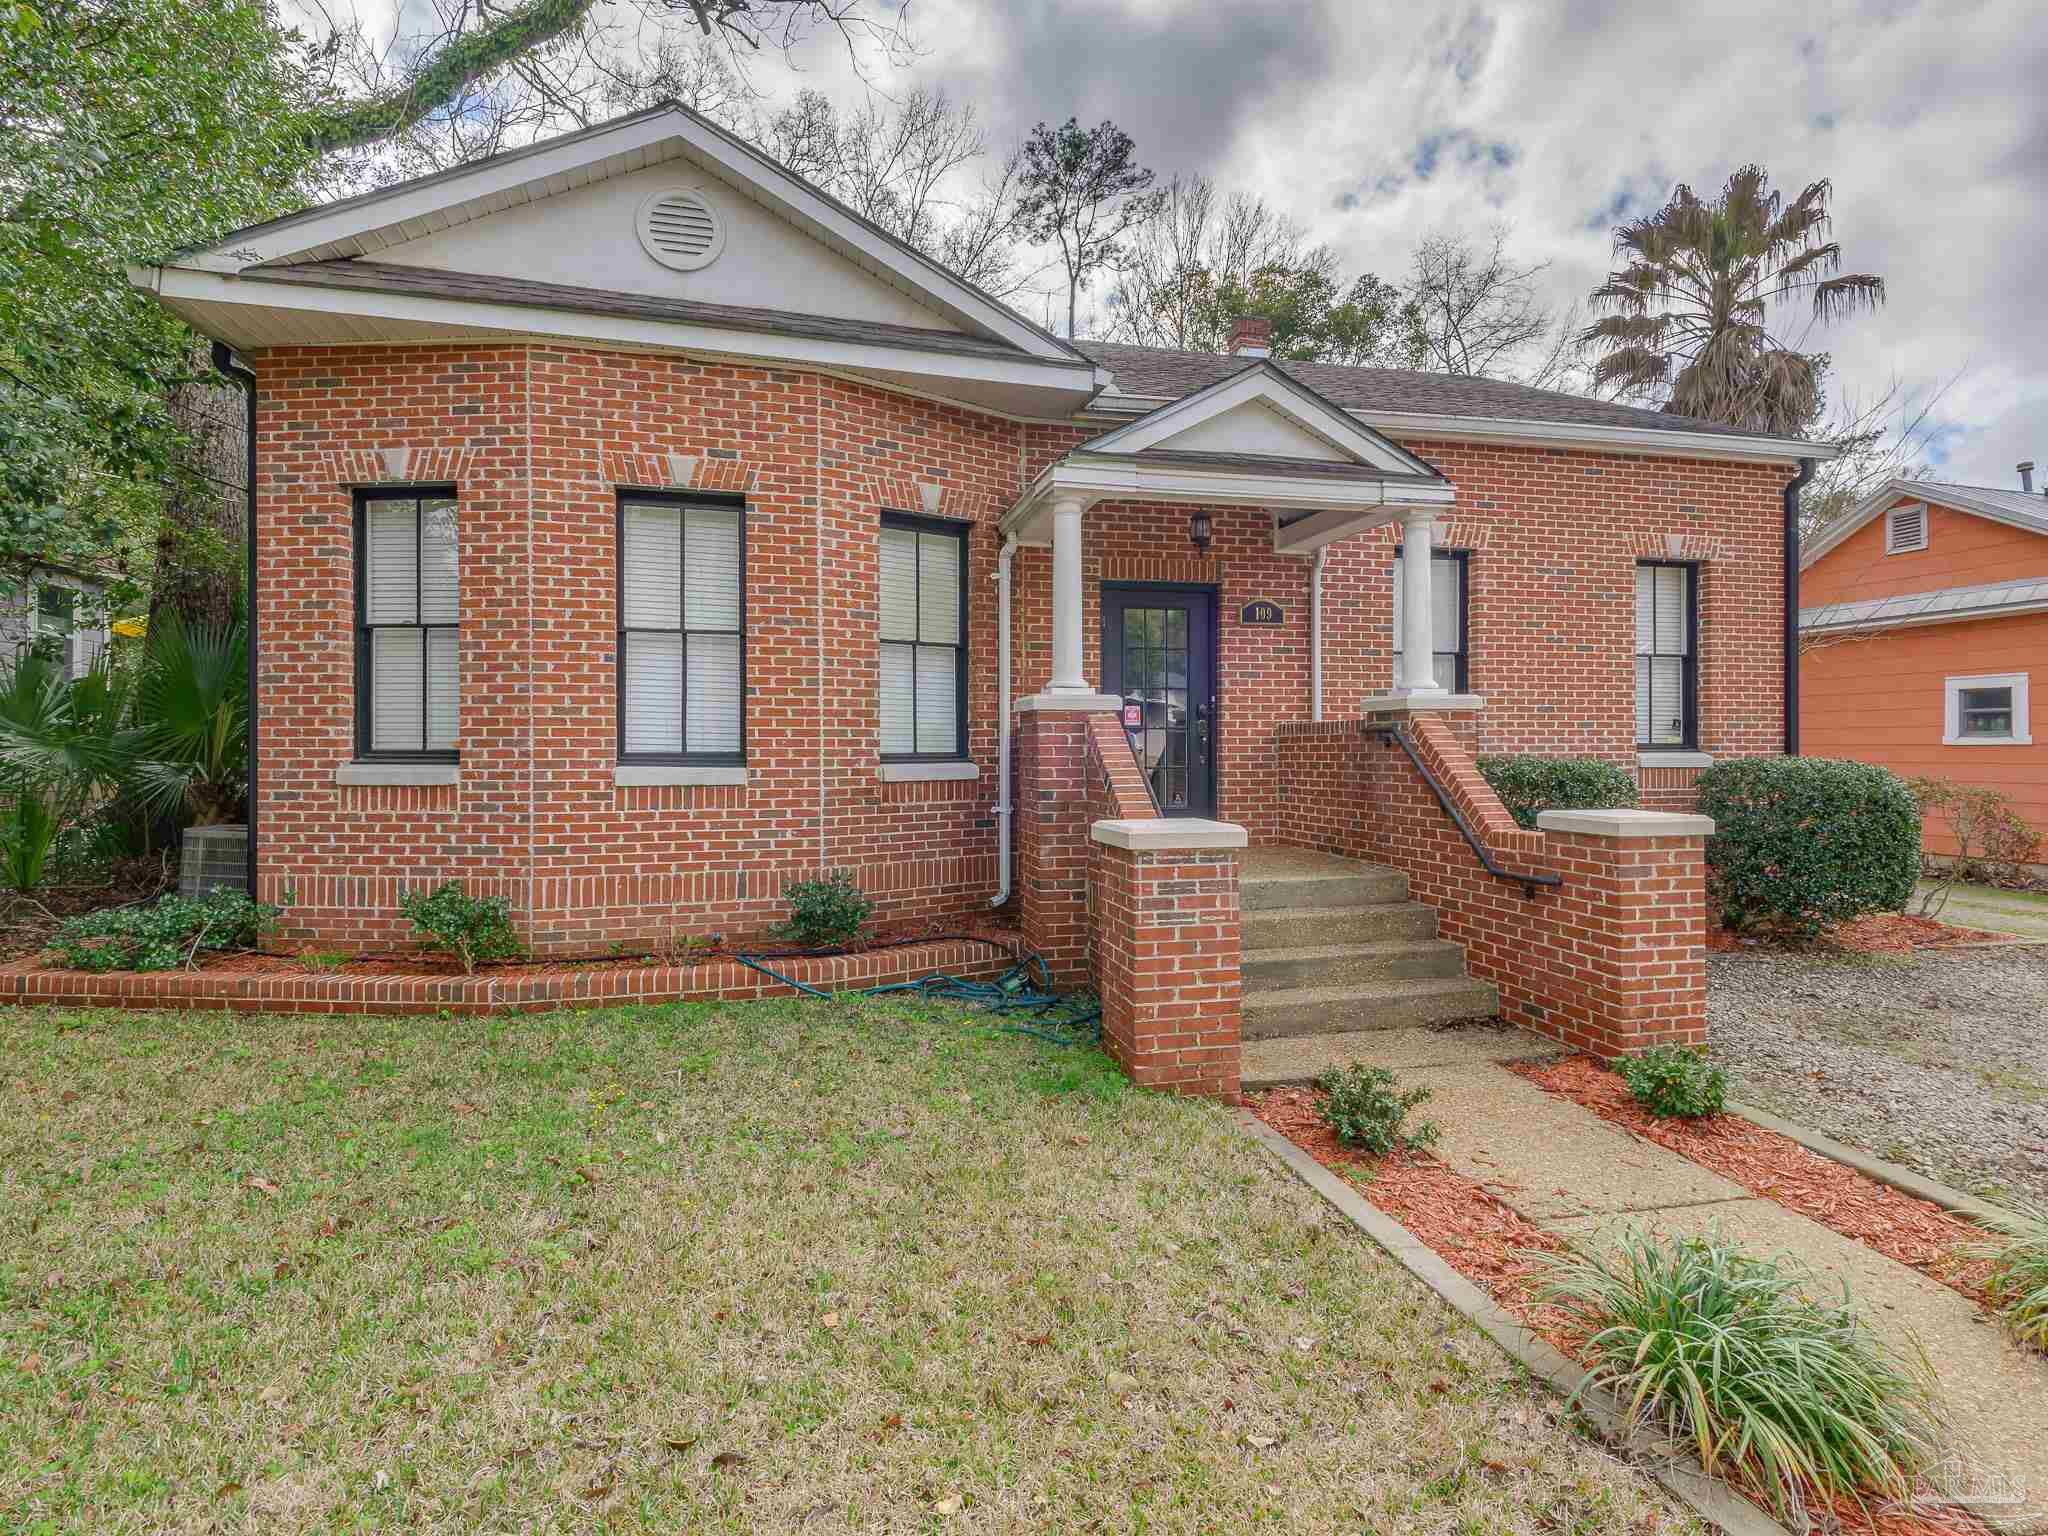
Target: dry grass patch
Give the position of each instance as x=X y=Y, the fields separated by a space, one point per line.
x=764 y=1267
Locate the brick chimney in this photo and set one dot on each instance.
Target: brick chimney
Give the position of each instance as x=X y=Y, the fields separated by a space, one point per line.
x=2027 y=477
x=1251 y=336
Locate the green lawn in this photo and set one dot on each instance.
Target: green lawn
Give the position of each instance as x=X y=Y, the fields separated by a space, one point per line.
x=773 y=1267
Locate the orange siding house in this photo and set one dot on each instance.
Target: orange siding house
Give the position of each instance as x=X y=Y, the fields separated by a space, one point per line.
x=1923 y=631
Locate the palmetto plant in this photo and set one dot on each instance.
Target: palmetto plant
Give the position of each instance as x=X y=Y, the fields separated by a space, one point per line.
x=191 y=742
x=63 y=745
x=1772 y=1388
x=1689 y=314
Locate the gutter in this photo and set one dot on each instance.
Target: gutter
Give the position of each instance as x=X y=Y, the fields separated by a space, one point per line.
x=225 y=362
x=1792 y=490
x=1002 y=805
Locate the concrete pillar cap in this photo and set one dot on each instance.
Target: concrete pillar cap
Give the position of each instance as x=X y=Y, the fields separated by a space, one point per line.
x=1629 y=825
x=1166 y=833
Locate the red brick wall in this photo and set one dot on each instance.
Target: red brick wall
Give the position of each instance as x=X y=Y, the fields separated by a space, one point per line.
x=1612 y=960
x=539 y=437
x=1169 y=939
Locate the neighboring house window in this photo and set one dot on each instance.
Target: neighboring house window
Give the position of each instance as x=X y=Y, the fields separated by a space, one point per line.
x=1986 y=711
x=1905 y=529
x=1449 y=574
x=56 y=624
x=1667 y=666
x=408 y=617
x=923 y=638
x=682 y=620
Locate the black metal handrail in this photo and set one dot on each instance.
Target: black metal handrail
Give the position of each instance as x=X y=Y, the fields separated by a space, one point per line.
x=1528 y=880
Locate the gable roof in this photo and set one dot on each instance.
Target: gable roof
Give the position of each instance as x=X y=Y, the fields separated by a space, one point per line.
x=1164 y=372
x=358 y=227
x=1262 y=383
x=2016 y=509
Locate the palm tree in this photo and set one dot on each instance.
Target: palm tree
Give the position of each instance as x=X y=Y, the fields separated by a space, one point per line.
x=1689 y=315
x=192 y=720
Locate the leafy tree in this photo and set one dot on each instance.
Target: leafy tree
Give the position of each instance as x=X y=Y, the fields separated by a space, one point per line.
x=1083 y=191
x=1689 y=315
x=128 y=129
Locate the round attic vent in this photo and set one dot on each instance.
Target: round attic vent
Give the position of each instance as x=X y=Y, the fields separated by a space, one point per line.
x=679 y=229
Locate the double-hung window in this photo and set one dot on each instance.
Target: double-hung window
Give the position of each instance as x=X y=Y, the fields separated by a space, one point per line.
x=682 y=623
x=1448 y=584
x=1667 y=661
x=408 y=625
x=923 y=639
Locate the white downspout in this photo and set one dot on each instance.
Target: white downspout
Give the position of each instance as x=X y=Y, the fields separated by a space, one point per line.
x=1315 y=636
x=1002 y=807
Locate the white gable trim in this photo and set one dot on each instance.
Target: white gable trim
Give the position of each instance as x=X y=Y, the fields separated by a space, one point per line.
x=1955 y=498
x=363 y=225
x=1266 y=385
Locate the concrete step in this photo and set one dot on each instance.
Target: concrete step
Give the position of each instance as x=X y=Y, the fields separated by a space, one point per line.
x=1362 y=884
x=1302 y=1059
x=1326 y=965
x=1297 y=927
x=1352 y=1006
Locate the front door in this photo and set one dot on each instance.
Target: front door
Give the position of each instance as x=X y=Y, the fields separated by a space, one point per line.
x=1159 y=656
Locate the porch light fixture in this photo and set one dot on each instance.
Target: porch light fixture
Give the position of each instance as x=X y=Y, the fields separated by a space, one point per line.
x=1199 y=529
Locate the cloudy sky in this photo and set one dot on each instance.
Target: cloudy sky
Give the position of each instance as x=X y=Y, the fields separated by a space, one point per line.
x=1370 y=121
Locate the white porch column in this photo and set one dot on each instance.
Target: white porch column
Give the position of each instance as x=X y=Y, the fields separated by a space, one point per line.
x=1418 y=620
x=1066 y=598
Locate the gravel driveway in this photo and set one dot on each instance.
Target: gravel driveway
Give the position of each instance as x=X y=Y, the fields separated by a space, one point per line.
x=1938 y=1060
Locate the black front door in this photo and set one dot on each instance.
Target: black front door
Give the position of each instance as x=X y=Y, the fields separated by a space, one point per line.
x=1159 y=656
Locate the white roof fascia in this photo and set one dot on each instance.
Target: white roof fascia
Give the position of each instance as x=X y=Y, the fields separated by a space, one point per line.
x=1270 y=387
x=176 y=283
x=804 y=205
x=1955 y=497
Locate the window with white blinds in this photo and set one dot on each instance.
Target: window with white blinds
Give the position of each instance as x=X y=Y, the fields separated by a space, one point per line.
x=1666 y=667
x=923 y=638
x=1447 y=592
x=682 y=659
x=408 y=625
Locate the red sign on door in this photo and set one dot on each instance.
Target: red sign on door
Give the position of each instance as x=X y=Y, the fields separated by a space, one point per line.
x=1134 y=717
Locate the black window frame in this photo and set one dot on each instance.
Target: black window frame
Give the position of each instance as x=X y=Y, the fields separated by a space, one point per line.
x=683 y=500
x=918 y=523
x=417 y=494
x=1462 y=665
x=1689 y=668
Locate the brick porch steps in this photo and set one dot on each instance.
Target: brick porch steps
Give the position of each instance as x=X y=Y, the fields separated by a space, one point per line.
x=1333 y=947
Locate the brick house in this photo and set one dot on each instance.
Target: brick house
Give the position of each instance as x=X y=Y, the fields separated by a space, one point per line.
x=1924 y=618
x=637 y=529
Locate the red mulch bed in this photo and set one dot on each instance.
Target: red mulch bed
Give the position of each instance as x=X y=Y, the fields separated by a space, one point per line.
x=1487 y=1242
x=1877 y=933
x=1894 y=1223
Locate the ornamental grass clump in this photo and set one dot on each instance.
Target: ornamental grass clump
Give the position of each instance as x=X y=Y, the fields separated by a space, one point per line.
x=2018 y=1282
x=1674 y=1083
x=1775 y=1391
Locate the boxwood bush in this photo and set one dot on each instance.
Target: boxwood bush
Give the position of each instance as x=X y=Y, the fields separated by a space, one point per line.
x=1528 y=784
x=1802 y=842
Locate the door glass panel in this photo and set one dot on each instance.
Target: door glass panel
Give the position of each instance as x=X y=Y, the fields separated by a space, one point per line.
x=1155 y=678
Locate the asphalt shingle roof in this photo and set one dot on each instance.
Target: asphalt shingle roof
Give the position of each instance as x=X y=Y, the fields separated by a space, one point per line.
x=1166 y=373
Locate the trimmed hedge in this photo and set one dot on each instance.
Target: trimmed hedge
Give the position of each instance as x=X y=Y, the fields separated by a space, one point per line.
x=1808 y=841
x=1528 y=784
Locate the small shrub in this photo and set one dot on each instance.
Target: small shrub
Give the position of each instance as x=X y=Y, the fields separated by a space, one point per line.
x=318 y=960
x=826 y=912
x=1992 y=840
x=1674 y=1083
x=1808 y=841
x=1773 y=1390
x=2019 y=1270
x=474 y=929
x=1528 y=784
x=163 y=937
x=1363 y=1107
x=28 y=834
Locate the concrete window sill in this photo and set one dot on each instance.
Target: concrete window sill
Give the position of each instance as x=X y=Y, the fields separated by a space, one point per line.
x=660 y=775
x=1674 y=759
x=926 y=773
x=423 y=775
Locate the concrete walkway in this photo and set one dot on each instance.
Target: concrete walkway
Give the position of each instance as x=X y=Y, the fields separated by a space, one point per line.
x=1569 y=1171
x=1989 y=907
